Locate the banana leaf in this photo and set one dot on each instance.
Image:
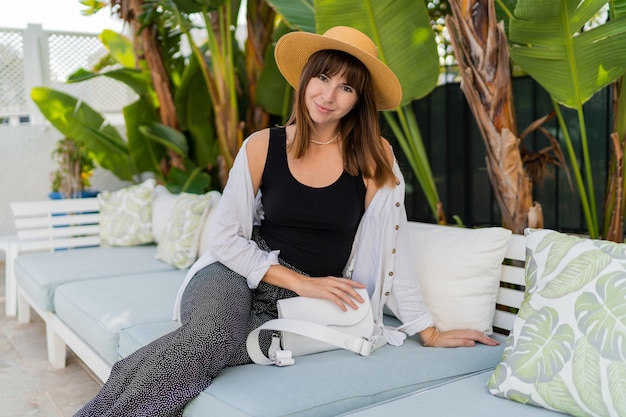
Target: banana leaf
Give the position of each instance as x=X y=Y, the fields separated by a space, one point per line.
x=120 y=48
x=168 y=137
x=192 y=180
x=547 y=42
x=273 y=92
x=139 y=81
x=75 y=119
x=146 y=153
x=195 y=114
x=299 y=14
x=571 y=65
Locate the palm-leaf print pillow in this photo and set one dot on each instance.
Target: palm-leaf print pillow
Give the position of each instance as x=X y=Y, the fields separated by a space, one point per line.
x=567 y=348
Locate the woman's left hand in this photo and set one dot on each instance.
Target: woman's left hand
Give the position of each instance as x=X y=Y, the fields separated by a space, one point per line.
x=455 y=338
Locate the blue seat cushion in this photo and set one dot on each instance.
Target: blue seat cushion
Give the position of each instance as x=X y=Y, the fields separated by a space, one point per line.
x=331 y=383
x=467 y=397
x=40 y=273
x=325 y=384
x=98 y=309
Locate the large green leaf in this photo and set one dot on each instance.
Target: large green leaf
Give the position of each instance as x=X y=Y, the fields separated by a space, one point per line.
x=619 y=7
x=169 y=137
x=139 y=81
x=195 y=114
x=402 y=32
x=571 y=65
x=543 y=347
x=299 y=14
x=77 y=120
x=602 y=316
x=146 y=153
x=120 y=48
x=272 y=88
x=191 y=181
x=193 y=6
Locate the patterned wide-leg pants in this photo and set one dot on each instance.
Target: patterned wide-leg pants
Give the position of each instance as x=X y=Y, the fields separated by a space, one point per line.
x=218 y=311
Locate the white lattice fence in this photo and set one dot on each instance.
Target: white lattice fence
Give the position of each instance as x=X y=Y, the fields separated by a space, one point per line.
x=70 y=52
x=12 y=86
x=33 y=57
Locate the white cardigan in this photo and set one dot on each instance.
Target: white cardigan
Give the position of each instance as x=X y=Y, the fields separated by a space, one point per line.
x=381 y=254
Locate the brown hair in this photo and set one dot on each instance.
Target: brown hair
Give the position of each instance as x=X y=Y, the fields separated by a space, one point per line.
x=363 y=148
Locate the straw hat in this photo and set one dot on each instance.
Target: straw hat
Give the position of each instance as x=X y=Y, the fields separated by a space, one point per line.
x=294 y=49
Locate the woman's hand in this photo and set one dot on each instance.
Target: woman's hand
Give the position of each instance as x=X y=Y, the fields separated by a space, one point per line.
x=338 y=290
x=432 y=337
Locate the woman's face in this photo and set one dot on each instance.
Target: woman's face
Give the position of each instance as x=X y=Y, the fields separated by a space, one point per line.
x=329 y=98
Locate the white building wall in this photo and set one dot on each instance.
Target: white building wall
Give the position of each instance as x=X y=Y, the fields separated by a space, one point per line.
x=25 y=167
x=26 y=138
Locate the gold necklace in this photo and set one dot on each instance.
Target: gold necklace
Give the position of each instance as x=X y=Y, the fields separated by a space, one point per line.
x=327 y=142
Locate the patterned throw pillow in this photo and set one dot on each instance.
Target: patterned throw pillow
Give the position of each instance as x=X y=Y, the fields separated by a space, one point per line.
x=567 y=349
x=180 y=240
x=126 y=215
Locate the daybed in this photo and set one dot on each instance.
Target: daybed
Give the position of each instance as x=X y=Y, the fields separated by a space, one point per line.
x=105 y=301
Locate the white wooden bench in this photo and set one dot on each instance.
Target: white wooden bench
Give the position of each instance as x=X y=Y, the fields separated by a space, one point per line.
x=49 y=225
x=66 y=225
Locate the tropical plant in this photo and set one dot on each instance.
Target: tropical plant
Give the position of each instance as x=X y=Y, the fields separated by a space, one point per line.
x=149 y=146
x=187 y=123
x=549 y=42
x=74 y=170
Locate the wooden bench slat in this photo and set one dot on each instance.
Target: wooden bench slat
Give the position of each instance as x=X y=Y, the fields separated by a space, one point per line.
x=33 y=208
x=510 y=297
x=49 y=245
x=503 y=319
x=516 y=248
x=57 y=224
x=72 y=219
x=512 y=275
x=59 y=232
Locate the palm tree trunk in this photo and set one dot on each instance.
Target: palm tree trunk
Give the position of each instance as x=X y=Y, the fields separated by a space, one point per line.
x=260 y=21
x=147 y=44
x=481 y=50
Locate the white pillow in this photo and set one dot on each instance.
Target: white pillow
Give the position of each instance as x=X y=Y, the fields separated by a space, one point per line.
x=162 y=206
x=459 y=273
x=567 y=348
x=126 y=215
x=204 y=236
x=181 y=237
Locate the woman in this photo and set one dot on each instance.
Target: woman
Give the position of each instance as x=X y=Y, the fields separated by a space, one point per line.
x=312 y=209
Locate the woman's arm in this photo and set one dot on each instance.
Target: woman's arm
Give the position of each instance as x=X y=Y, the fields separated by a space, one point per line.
x=405 y=286
x=231 y=229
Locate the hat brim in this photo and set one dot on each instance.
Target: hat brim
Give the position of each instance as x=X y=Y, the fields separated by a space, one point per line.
x=294 y=49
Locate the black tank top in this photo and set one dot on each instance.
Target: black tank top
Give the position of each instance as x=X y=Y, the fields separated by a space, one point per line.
x=312 y=227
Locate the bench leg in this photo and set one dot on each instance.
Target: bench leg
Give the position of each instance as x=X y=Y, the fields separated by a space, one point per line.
x=56 y=348
x=23 y=309
x=10 y=285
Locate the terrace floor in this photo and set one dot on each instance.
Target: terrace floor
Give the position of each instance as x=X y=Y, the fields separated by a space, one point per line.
x=29 y=386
